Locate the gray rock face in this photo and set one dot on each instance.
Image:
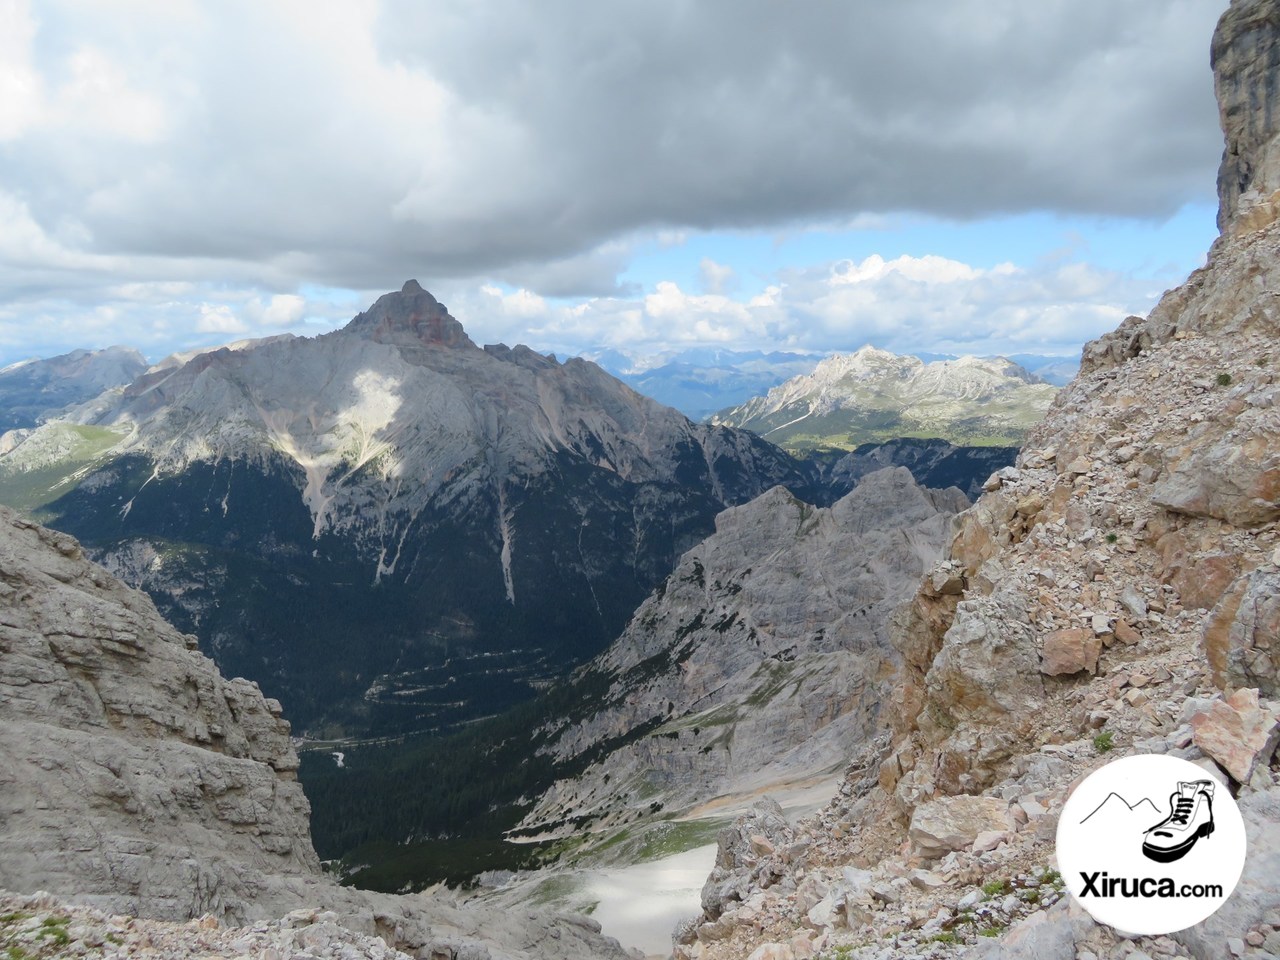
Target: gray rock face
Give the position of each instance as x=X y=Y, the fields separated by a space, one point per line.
x=759 y=661
x=1255 y=896
x=933 y=462
x=1241 y=638
x=130 y=770
x=1246 y=66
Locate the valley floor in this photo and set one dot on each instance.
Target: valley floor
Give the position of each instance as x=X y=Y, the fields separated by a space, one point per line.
x=640 y=904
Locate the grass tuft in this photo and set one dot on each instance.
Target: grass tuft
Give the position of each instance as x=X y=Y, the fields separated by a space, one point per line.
x=994 y=888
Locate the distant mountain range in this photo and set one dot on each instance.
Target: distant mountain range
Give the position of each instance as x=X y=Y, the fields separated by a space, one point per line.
x=873 y=395
x=30 y=390
x=703 y=382
x=389 y=527
x=700 y=382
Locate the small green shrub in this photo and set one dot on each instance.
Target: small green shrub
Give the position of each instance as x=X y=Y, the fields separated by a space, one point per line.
x=1224 y=379
x=945 y=937
x=1112 y=538
x=993 y=931
x=994 y=888
x=1104 y=741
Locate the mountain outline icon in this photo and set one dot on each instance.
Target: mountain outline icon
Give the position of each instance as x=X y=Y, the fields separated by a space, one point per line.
x=1144 y=806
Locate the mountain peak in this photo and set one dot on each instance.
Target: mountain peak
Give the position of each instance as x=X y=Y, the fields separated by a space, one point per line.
x=874 y=395
x=411 y=316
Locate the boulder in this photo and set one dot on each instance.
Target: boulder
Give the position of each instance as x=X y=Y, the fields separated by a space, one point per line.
x=1233 y=478
x=988 y=840
x=987 y=668
x=1239 y=733
x=954 y=823
x=1202 y=583
x=802 y=947
x=1069 y=651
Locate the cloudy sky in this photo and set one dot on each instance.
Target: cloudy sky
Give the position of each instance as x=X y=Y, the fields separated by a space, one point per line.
x=644 y=175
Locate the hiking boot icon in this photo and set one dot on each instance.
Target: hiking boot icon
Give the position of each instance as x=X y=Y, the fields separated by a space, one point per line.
x=1190 y=818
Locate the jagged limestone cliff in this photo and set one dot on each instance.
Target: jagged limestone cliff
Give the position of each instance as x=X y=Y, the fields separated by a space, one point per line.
x=764 y=653
x=131 y=770
x=1121 y=582
x=1245 y=61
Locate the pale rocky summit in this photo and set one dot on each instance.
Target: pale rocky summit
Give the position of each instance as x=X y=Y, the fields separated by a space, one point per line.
x=135 y=779
x=876 y=395
x=757 y=662
x=1111 y=594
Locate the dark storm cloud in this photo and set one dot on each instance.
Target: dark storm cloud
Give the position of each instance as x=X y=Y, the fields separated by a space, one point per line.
x=356 y=144
x=751 y=112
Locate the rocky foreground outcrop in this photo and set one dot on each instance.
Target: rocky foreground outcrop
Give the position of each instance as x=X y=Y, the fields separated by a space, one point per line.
x=764 y=653
x=130 y=770
x=135 y=779
x=1114 y=593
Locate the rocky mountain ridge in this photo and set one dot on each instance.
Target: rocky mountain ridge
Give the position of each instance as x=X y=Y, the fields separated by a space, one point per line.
x=933 y=462
x=762 y=655
x=1114 y=593
x=873 y=395
x=392 y=482
x=34 y=390
x=136 y=780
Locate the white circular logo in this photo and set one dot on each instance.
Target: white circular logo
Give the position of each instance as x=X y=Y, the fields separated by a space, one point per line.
x=1151 y=844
